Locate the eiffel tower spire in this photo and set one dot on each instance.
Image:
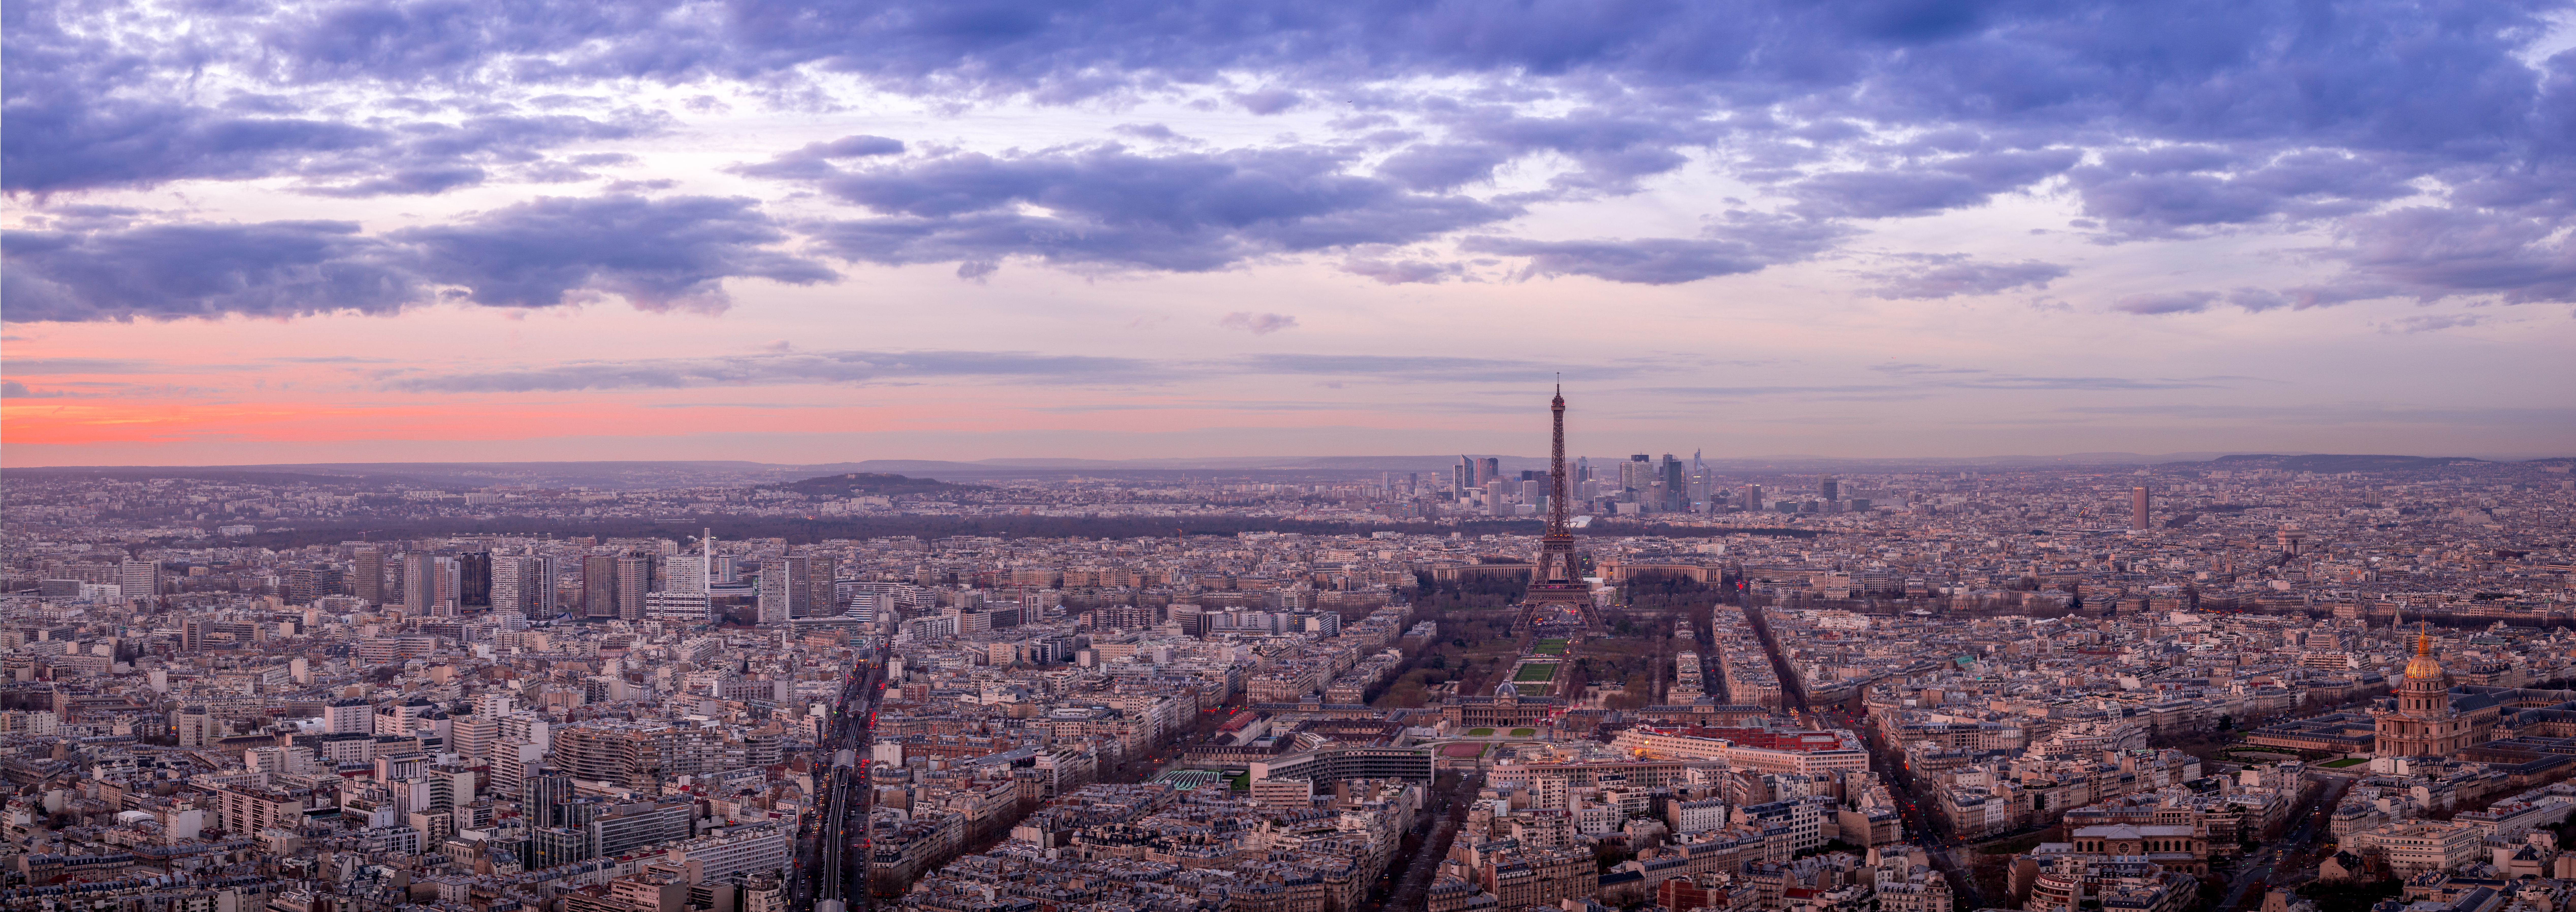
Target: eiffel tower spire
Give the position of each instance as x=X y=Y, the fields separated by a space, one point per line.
x=1555 y=579
x=1556 y=469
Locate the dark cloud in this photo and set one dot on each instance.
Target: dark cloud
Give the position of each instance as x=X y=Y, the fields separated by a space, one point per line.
x=50 y=367
x=2201 y=115
x=1948 y=276
x=1427 y=368
x=1399 y=272
x=1734 y=392
x=413 y=182
x=814 y=161
x=61 y=139
x=2165 y=302
x=273 y=269
x=1268 y=101
x=2431 y=323
x=63 y=143
x=1980 y=378
x=12 y=389
x=655 y=253
x=1744 y=243
x=1444 y=166
x=1951 y=183
x=1611 y=151
x=1259 y=324
x=2432 y=253
x=2337 y=413
x=778 y=368
x=785 y=368
x=2163 y=190
x=1108 y=206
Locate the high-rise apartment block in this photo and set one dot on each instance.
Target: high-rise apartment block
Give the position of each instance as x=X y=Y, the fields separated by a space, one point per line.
x=785 y=591
x=599 y=586
x=138 y=580
x=634 y=578
x=367 y=573
x=474 y=582
x=419 y=582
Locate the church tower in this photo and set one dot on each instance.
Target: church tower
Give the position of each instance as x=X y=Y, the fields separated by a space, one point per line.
x=2422 y=724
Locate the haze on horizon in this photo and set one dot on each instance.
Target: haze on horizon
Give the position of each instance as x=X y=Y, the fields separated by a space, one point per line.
x=651 y=230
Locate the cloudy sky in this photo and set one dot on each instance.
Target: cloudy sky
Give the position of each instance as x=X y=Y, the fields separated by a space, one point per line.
x=504 y=229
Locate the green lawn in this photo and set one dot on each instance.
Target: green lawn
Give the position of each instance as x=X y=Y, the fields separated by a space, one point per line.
x=1536 y=671
x=1480 y=733
x=2347 y=761
x=1524 y=732
x=1551 y=646
x=1531 y=690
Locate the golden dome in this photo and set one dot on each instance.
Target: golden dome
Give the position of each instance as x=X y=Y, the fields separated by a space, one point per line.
x=2424 y=667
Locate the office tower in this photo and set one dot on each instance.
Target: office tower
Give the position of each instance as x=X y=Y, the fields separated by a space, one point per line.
x=1462 y=476
x=367 y=573
x=1701 y=488
x=1675 y=482
x=1749 y=497
x=474 y=582
x=1497 y=502
x=598 y=586
x=2138 y=508
x=1829 y=487
x=138 y=580
x=634 y=578
x=1488 y=469
x=1638 y=473
x=420 y=581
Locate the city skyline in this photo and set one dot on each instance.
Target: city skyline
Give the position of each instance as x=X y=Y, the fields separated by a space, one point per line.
x=474 y=233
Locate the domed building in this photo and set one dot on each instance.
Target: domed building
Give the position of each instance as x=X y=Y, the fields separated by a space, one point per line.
x=2424 y=722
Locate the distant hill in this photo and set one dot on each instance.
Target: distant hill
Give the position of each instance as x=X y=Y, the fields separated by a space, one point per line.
x=2332 y=462
x=853 y=483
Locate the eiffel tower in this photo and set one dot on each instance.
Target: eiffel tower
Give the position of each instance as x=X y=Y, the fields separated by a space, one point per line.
x=1556 y=580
